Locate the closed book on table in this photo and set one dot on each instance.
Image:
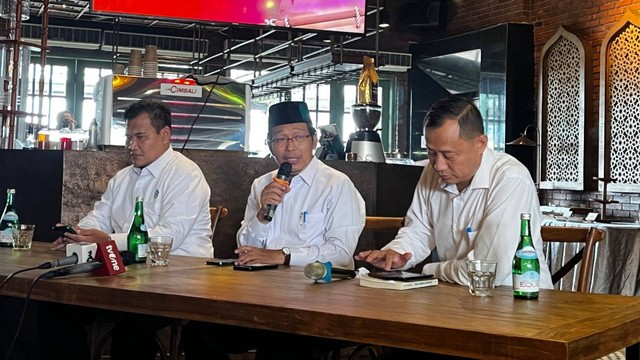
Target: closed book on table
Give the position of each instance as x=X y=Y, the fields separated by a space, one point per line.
x=368 y=281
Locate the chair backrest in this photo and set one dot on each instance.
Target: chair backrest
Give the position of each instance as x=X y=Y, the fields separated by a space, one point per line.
x=217 y=213
x=383 y=223
x=589 y=236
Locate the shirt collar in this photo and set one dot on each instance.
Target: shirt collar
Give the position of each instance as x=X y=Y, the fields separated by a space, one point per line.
x=155 y=168
x=482 y=177
x=309 y=172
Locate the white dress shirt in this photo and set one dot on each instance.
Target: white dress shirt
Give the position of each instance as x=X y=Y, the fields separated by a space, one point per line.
x=176 y=203
x=481 y=222
x=319 y=219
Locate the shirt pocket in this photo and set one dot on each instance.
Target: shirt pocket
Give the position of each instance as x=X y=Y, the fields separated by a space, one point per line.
x=312 y=226
x=152 y=211
x=471 y=236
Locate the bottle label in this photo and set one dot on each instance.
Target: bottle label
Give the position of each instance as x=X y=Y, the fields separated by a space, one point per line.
x=527 y=252
x=6 y=235
x=8 y=223
x=142 y=251
x=527 y=282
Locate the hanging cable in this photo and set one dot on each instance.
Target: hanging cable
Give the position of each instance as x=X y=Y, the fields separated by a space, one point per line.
x=24 y=311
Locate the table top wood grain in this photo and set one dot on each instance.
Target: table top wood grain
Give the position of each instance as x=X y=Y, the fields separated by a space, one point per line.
x=444 y=318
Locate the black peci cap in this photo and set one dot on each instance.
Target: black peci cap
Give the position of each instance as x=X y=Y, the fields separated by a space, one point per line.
x=289 y=112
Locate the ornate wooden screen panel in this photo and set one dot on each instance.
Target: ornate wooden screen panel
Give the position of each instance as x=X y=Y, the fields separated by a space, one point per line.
x=562 y=115
x=620 y=105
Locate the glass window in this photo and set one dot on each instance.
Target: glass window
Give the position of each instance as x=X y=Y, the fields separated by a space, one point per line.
x=324 y=96
x=311 y=96
x=91 y=77
x=54 y=93
x=297 y=94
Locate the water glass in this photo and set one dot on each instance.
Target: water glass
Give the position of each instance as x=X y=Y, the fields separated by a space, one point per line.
x=23 y=237
x=159 y=249
x=65 y=143
x=482 y=277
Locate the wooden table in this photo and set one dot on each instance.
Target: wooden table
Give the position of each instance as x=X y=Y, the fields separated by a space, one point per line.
x=444 y=319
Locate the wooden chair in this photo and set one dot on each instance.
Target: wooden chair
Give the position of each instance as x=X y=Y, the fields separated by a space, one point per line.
x=382 y=223
x=175 y=350
x=372 y=223
x=588 y=236
x=217 y=213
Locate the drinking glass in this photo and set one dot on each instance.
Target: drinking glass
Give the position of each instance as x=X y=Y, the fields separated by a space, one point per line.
x=159 y=249
x=23 y=236
x=482 y=277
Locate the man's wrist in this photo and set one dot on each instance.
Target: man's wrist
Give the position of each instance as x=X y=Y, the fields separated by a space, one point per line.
x=287 y=255
x=260 y=215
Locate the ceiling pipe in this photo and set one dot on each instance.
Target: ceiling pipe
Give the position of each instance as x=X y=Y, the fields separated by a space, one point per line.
x=264 y=53
x=205 y=60
x=281 y=46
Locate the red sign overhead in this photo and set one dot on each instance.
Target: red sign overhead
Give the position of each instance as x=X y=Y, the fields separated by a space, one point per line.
x=322 y=15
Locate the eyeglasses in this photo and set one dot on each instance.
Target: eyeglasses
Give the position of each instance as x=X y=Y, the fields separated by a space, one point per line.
x=279 y=142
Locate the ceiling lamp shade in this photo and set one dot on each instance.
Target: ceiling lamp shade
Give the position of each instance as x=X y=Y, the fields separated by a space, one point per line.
x=524 y=140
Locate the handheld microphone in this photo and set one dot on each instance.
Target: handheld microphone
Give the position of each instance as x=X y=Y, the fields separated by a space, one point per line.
x=69 y=260
x=319 y=271
x=107 y=262
x=282 y=178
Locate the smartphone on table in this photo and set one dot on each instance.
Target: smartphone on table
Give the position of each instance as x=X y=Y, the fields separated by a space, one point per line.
x=255 y=267
x=221 y=262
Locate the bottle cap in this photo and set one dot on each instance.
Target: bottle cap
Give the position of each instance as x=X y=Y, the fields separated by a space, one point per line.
x=139 y=198
x=11 y=191
x=525 y=216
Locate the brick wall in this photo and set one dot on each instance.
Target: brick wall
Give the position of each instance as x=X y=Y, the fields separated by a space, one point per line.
x=590 y=19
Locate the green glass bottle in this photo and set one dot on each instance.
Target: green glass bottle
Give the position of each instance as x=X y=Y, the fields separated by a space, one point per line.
x=526 y=266
x=9 y=220
x=138 y=237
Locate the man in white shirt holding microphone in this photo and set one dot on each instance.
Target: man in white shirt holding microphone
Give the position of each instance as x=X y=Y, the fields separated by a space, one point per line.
x=318 y=216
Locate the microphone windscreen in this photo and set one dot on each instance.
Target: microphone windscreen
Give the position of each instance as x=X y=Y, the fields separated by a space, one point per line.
x=108 y=254
x=318 y=271
x=284 y=170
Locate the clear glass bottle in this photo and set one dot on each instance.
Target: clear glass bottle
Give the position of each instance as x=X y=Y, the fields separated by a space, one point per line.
x=138 y=237
x=526 y=266
x=30 y=142
x=9 y=220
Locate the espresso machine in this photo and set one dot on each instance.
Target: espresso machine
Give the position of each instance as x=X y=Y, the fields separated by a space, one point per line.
x=365 y=142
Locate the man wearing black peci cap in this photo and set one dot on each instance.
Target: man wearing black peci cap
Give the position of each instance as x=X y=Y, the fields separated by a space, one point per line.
x=319 y=217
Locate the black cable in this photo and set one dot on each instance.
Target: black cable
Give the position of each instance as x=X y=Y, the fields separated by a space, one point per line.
x=44 y=265
x=213 y=86
x=24 y=311
x=16 y=273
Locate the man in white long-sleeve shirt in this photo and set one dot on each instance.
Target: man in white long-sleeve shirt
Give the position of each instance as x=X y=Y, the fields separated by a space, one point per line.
x=176 y=193
x=176 y=203
x=319 y=217
x=467 y=203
